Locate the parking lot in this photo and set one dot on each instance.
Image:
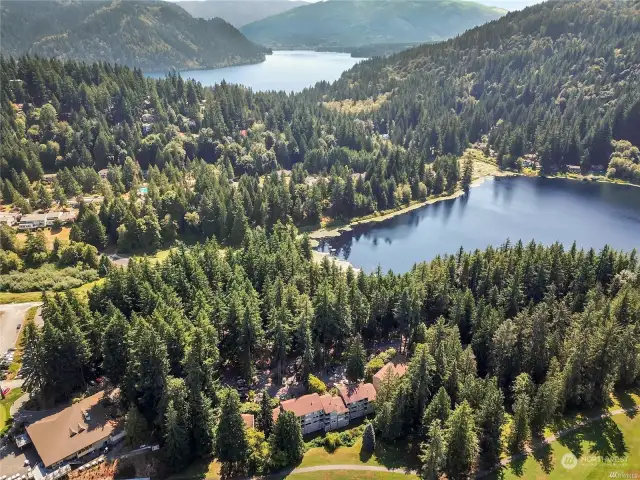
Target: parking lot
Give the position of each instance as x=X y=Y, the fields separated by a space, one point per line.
x=12 y=459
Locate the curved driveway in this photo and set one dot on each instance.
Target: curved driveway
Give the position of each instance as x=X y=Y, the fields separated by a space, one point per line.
x=12 y=315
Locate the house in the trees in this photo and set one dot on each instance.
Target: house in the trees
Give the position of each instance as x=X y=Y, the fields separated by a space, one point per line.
x=9 y=219
x=336 y=414
x=395 y=368
x=358 y=399
x=72 y=433
x=308 y=409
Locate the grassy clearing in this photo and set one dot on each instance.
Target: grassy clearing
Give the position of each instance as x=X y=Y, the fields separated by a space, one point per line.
x=5 y=409
x=10 y=297
x=50 y=235
x=606 y=447
x=390 y=456
x=350 y=475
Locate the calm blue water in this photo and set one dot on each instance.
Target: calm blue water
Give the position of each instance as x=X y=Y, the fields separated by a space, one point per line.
x=592 y=214
x=291 y=71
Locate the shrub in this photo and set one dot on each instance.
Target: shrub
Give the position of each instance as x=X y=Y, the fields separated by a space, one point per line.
x=332 y=441
x=46 y=277
x=377 y=362
x=315 y=385
x=369 y=439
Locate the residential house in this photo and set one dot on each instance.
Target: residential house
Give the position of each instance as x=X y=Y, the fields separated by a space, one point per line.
x=31 y=221
x=49 y=177
x=308 y=409
x=396 y=368
x=358 y=399
x=336 y=414
x=74 y=432
x=103 y=173
x=249 y=420
x=10 y=219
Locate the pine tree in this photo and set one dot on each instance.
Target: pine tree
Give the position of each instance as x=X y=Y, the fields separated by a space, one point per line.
x=265 y=419
x=433 y=453
x=231 y=448
x=369 y=439
x=438 y=409
x=461 y=441
x=467 y=173
x=490 y=418
x=136 y=427
x=286 y=440
x=356 y=359
x=114 y=349
x=176 y=437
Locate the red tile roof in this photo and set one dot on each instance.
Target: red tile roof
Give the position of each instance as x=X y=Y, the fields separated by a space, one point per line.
x=355 y=393
x=398 y=369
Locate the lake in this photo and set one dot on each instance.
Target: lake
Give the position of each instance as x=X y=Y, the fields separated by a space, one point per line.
x=291 y=71
x=592 y=214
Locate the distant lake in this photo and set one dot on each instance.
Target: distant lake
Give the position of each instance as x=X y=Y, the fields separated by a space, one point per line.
x=291 y=71
x=592 y=214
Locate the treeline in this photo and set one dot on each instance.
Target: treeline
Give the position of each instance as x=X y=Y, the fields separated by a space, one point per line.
x=526 y=329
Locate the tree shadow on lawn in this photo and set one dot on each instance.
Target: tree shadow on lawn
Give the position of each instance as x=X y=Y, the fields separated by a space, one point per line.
x=627 y=402
x=516 y=465
x=544 y=456
x=398 y=455
x=605 y=438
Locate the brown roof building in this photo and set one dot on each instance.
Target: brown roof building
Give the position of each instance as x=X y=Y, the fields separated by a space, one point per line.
x=397 y=368
x=331 y=404
x=249 y=420
x=73 y=432
x=358 y=399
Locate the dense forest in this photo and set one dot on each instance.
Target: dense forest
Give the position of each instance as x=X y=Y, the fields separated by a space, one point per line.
x=352 y=23
x=155 y=36
x=528 y=330
x=559 y=79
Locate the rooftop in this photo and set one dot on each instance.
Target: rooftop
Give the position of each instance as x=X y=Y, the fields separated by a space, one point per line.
x=73 y=429
x=355 y=393
x=398 y=368
x=333 y=404
x=248 y=419
x=303 y=405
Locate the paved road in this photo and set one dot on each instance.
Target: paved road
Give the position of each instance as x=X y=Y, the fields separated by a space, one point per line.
x=11 y=316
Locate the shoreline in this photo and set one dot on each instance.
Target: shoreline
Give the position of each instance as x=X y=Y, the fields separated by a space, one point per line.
x=330 y=232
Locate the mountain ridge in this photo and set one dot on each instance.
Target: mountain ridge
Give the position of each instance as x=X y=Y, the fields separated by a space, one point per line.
x=354 y=23
x=150 y=35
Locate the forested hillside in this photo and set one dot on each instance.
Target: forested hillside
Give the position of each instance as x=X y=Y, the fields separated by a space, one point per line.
x=350 y=23
x=147 y=35
x=238 y=12
x=523 y=329
x=559 y=79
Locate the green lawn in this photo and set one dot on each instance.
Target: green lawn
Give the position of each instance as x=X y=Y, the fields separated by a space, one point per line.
x=5 y=408
x=350 y=475
x=386 y=456
x=10 y=297
x=602 y=448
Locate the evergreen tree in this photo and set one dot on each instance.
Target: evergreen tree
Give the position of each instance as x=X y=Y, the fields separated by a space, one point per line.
x=176 y=447
x=433 y=453
x=287 y=444
x=356 y=359
x=369 y=439
x=232 y=449
x=265 y=419
x=461 y=442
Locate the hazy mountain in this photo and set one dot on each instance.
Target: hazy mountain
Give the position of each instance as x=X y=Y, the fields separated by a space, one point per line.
x=240 y=12
x=146 y=34
x=343 y=23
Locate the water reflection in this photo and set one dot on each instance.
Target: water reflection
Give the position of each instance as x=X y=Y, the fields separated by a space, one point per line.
x=592 y=214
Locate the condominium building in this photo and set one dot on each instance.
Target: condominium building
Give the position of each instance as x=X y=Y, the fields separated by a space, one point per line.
x=358 y=399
